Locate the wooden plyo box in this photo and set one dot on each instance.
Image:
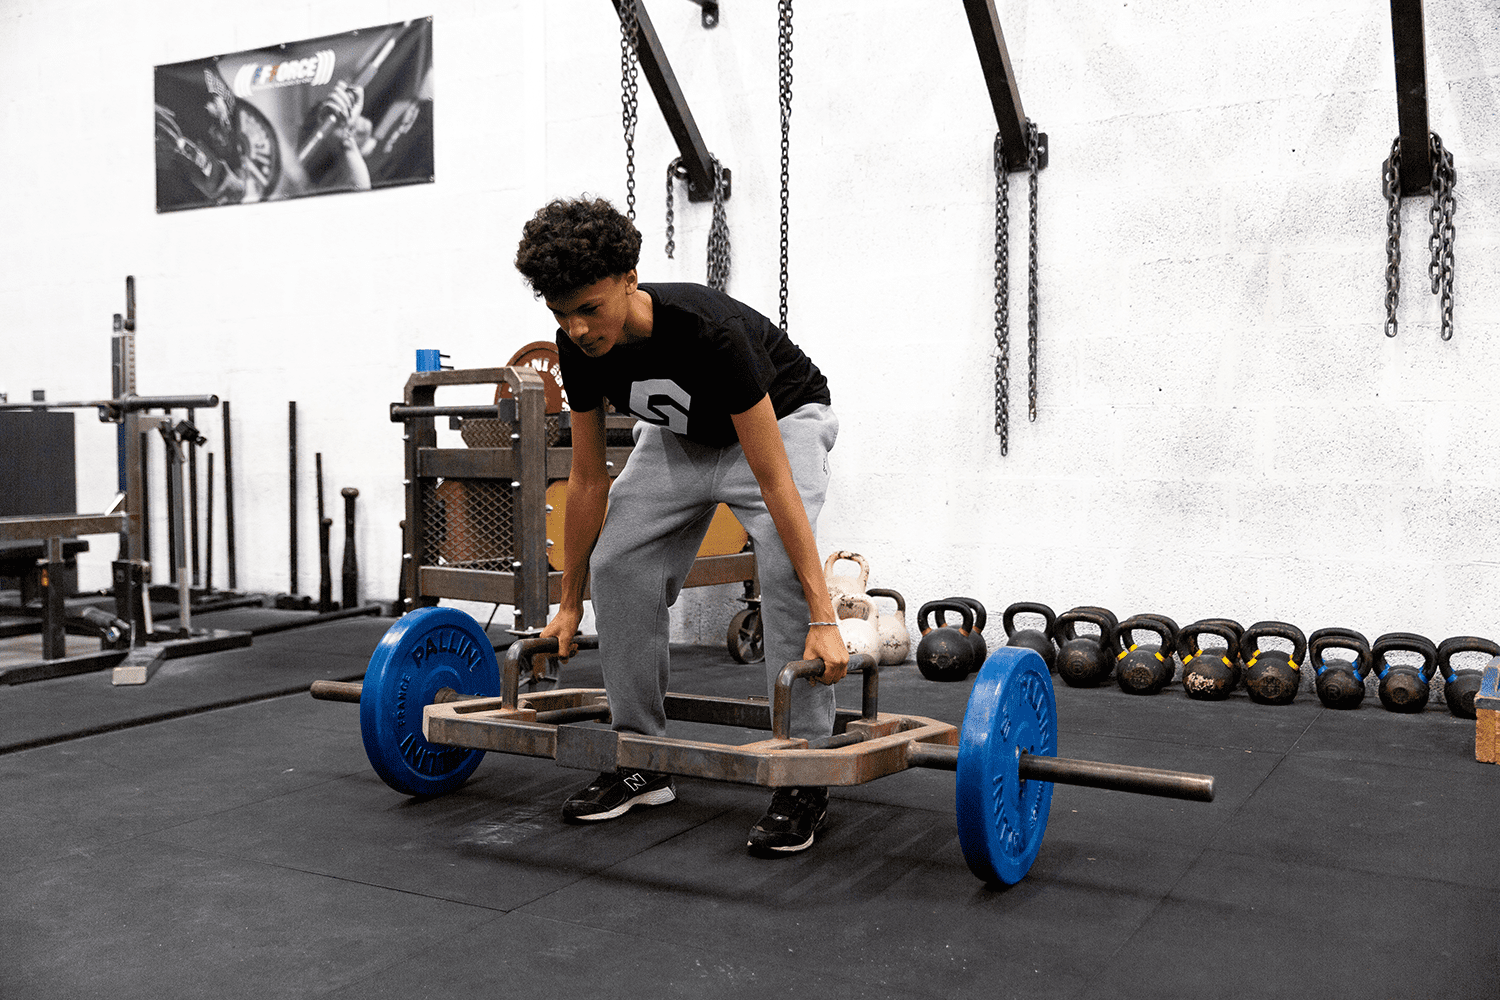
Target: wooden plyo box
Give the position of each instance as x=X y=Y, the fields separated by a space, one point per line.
x=1487 y=724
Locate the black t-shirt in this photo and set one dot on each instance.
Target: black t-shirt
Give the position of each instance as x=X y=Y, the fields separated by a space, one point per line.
x=708 y=356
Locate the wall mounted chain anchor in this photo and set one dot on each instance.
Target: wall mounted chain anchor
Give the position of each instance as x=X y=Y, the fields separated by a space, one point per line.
x=1440 y=243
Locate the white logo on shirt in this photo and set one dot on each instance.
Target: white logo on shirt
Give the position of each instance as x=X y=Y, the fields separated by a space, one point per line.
x=661 y=401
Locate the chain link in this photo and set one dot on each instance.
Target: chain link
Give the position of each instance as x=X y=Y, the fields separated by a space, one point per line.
x=784 y=82
x=718 y=230
x=1002 y=297
x=675 y=169
x=1391 y=176
x=718 y=234
x=1033 y=164
x=630 y=27
x=1440 y=213
x=1439 y=244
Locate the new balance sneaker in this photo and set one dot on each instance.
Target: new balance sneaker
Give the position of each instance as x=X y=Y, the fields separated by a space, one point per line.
x=614 y=793
x=794 y=819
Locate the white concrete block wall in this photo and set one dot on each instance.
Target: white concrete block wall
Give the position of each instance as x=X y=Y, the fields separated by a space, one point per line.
x=1223 y=430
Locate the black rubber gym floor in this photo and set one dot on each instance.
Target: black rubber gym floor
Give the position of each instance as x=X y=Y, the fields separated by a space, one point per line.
x=210 y=834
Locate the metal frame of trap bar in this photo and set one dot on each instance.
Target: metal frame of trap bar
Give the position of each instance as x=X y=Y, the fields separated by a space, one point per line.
x=864 y=746
x=144 y=648
x=524 y=468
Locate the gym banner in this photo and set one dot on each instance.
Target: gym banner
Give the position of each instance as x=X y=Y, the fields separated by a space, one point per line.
x=349 y=112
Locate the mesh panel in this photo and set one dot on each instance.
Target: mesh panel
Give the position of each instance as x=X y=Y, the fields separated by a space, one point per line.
x=469 y=523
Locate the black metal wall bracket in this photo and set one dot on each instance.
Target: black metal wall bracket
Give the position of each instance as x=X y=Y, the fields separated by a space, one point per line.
x=1408 y=38
x=710 y=12
x=1005 y=95
x=696 y=160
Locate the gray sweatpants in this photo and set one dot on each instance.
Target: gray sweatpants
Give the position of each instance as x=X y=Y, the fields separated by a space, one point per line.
x=659 y=510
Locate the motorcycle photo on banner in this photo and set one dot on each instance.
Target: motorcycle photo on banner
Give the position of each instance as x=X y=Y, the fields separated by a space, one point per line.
x=349 y=112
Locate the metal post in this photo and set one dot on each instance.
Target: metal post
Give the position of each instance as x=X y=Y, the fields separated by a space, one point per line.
x=291 y=423
x=229 y=500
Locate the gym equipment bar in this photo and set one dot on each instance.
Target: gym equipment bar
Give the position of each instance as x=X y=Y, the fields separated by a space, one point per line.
x=674 y=108
x=1005 y=94
x=1408 y=38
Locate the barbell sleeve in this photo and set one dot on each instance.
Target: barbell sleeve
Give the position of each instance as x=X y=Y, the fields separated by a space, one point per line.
x=1089 y=773
x=336 y=690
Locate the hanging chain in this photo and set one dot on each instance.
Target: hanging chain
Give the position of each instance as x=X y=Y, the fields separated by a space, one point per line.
x=718 y=230
x=784 y=80
x=675 y=169
x=629 y=90
x=1033 y=164
x=1441 y=212
x=1391 y=176
x=1440 y=243
x=718 y=234
x=1002 y=297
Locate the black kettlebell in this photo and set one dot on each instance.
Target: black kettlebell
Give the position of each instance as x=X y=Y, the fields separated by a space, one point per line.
x=1404 y=686
x=945 y=653
x=1085 y=659
x=1145 y=668
x=1211 y=673
x=1272 y=676
x=976 y=636
x=1339 y=683
x=1460 y=687
x=1042 y=641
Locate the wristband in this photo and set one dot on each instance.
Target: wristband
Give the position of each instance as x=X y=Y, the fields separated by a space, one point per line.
x=811 y=624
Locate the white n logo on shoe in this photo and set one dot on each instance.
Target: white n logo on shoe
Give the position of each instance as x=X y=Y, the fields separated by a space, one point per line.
x=635 y=781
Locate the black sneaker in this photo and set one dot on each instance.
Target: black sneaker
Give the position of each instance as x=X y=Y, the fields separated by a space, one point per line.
x=615 y=792
x=795 y=817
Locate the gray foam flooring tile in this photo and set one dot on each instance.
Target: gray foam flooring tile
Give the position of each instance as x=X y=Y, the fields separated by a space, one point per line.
x=144 y=919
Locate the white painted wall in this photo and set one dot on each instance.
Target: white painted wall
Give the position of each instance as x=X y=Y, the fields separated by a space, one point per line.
x=1224 y=429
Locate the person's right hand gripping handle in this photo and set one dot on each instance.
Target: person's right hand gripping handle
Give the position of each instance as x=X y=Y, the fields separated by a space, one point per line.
x=588 y=495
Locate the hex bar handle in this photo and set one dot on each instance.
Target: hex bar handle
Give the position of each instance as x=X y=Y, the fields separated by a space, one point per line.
x=1089 y=773
x=522 y=650
x=781 y=701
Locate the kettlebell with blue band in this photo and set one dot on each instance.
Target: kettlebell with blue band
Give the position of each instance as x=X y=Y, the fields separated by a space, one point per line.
x=1460 y=686
x=1404 y=686
x=1339 y=683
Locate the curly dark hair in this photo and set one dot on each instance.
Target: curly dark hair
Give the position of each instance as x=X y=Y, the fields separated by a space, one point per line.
x=573 y=242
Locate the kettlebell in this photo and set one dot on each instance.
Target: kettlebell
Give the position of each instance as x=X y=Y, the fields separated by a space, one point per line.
x=1404 y=686
x=1212 y=673
x=1041 y=641
x=1144 y=667
x=945 y=653
x=1272 y=676
x=1460 y=687
x=1339 y=683
x=895 y=639
x=976 y=634
x=861 y=635
x=845 y=585
x=1085 y=659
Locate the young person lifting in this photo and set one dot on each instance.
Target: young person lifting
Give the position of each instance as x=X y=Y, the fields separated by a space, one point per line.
x=730 y=410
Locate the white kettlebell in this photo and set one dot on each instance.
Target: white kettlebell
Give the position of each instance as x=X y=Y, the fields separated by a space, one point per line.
x=860 y=632
x=895 y=639
x=843 y=586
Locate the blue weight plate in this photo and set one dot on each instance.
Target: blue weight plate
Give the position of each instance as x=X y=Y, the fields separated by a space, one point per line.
x=1001 y=818
x=425 y=651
